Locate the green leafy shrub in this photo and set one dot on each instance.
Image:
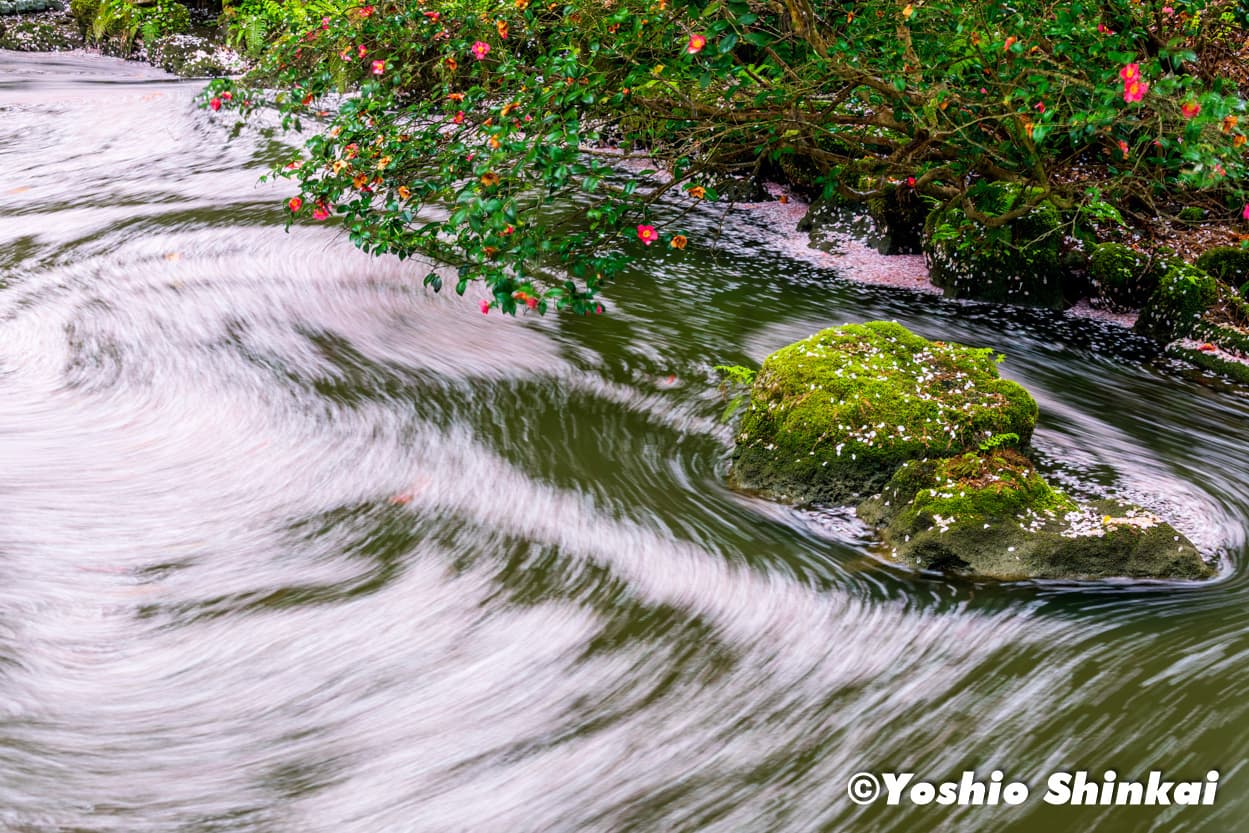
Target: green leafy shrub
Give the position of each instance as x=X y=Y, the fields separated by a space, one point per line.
x=121 y=21
x=115 y=21
x=164 y=17
x=84 y=12
x=474 y=132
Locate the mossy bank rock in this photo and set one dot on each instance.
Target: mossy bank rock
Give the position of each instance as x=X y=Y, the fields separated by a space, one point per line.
x=935 y=437
x=991 y=514
x=1123 y=278
x=1020 y=262
x=1176 y=306
x=834 y=415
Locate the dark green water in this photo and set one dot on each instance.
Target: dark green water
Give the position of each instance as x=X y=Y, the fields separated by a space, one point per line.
x=288 y=544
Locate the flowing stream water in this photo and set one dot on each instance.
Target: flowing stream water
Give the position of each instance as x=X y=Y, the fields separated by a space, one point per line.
x=290 y=544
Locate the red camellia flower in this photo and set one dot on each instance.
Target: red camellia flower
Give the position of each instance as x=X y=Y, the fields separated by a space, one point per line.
x=1009 y=43
x=480 y=49
x=696 y=44
x=485 y=307
x=459 y=118
x=321 y=211
x=433 y=15
x=379 y=67
x=1190 y=109
x=910 y=182
x=215 y=104
x=647 y=234
x=227 y=95
x=294 y=204
x=531 y=302
x=1123 y=148
x=367 y=11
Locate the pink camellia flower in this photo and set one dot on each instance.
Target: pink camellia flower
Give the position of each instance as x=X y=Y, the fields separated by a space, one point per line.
x=1103 y=29
x=696 y=44
x=361 y=51
x=1190 y=109
x=294 y=204
x=367 y=11
x=215 y=104
x=321 y=211
x=1123 y=148
x=379 y=67
x=1245 y=213
x=1134 y=91
x=1131 y=72
x=433 y=15
x=481 y=49
x=325 y=23
x=459 y=117
x=1168 y=11
x=647 y=234
x=485 y=307
x=227 y=95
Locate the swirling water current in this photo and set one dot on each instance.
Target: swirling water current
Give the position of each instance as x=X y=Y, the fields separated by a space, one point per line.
x=290 y=544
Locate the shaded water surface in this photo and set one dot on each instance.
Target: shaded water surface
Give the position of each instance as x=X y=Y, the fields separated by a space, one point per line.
x=288 y=544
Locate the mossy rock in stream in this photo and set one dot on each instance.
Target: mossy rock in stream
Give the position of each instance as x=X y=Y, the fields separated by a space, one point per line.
x=834 y=415
x=992 y=515
x=1017 y=263
x=1176 y=306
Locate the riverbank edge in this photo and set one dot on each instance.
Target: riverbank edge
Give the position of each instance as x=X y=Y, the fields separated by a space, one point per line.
x=853 y=251
x=201 y=53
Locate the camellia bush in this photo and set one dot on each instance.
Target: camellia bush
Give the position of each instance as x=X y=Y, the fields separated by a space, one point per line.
x=493 y=135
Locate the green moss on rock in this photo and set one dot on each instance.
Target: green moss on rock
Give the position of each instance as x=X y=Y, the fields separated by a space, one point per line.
x=1175 y=307
x=993 y=515
x=1229 y=366
x=28 y=6
x=836 y=414
x=1229 y=264
x=1018 y=263
x=39 y=34
x=1124 y=278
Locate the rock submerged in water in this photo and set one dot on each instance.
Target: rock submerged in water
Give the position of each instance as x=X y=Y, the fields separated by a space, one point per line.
x=936 y=438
